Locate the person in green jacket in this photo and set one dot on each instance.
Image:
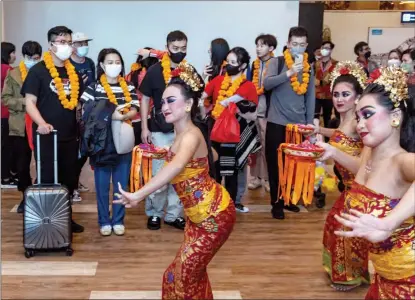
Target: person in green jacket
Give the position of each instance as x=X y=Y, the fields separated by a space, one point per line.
x=15 y=102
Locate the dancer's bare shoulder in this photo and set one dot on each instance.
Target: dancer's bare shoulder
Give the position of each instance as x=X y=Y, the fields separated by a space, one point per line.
x=406 y=163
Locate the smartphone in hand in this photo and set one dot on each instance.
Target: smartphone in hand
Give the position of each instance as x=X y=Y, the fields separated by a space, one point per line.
x=299 y=58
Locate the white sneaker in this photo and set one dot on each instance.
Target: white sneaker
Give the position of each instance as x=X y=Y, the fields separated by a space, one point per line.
x=266 y=186
x=76 y=197
x=254 y=184
x=241 y=208
x=82 y=188
x=105 y=230
x=119 y=229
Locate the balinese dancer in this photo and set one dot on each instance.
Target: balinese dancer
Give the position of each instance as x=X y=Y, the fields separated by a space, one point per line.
x=385 y=176
x=208 y=206
x=344 y=259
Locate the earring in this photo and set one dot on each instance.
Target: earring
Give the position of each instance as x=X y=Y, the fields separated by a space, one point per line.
x=188 y=109
x=395 y=122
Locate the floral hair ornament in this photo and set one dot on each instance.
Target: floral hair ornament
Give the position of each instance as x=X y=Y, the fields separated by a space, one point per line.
x=348 y=68
x=188 y=74
x=394 y=80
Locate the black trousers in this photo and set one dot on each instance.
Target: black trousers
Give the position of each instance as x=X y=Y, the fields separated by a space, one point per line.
x=327 y=106
x=6 y=150
x=274 y=137
x=80 y=164
x=67 y=161
x=231 y=182
x=22 y=151
x=137 y=132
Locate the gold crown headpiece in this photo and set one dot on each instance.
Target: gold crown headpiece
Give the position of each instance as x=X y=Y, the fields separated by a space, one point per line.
x=394 y=80
x=348 y=68
x=189 y=75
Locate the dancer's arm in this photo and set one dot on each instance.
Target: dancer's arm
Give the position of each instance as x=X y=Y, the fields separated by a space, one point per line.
x=378 y=229
x=185 y=153
x=352 y=163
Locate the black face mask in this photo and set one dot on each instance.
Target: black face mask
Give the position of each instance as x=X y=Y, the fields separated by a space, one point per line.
x=368 y=54
x=177 y=57
x=232 y=70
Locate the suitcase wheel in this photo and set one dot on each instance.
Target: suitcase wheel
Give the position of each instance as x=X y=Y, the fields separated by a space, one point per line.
x=29 y=253
x=69 y=252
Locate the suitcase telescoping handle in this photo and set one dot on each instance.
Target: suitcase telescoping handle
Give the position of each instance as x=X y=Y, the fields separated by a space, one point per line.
x=55 y=157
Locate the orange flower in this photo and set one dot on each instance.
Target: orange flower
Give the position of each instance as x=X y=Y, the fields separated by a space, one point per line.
x=23 y=70
x=226 y=90
x=255 y=78
x=110 y=94
x=165 y=64
x=73 y=80
x=300 y=89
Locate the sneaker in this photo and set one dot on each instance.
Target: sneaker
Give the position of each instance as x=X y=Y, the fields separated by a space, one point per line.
x=292 y=207
x=179 y=223
x=82 y=188
x=254 y=184
x=243 y=209
x=76 y=197
x=154 y=223
x=76 y=228
x=8 y=184
x=266 y=186
x=105 y=230
x=277 y=213
x=119 y=229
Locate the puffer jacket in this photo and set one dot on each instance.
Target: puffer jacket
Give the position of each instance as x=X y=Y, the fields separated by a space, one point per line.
x=15 y=102
x=96 y=136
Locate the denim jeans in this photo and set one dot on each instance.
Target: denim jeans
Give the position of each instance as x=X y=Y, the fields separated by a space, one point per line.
x=120 y=173
x=156 y=202
x=241 y=187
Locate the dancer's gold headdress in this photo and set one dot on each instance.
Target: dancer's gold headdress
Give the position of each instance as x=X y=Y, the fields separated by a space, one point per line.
x=349 y=68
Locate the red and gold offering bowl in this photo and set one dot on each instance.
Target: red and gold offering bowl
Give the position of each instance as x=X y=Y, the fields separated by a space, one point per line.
x=151 y=151
x=305 y=150
x=305 y=129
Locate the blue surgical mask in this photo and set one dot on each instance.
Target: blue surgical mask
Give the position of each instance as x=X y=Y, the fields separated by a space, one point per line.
x=82 y=51
x=408 y=67
x=30 y=63
x=297 y=50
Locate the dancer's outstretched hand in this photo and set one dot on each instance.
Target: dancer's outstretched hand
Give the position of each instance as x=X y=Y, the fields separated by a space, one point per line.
x=364 y=225
x=127 y=199
x=329 y=151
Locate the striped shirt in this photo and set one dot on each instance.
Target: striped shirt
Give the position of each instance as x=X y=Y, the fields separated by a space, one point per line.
x=96 y=92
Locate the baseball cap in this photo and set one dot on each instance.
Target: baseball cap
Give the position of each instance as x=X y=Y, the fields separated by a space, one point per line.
x=80 y=37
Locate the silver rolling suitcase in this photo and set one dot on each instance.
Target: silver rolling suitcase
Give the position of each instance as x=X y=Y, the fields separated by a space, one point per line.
x=47 y=213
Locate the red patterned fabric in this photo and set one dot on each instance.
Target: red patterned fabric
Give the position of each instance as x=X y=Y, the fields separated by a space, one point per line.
x=344 y=259
x=205 y=200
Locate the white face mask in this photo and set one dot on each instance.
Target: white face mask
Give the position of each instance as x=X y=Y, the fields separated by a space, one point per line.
x=394 y=62
x=325 y=52
x=63 y=52
x=112 y=70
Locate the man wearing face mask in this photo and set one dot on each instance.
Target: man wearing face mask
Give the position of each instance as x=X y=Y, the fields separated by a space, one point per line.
x=52 y=93
x=16 y=104
x=323 y=69
x=158 y=132
x=86 y=68
x=82 y=63
x=363 y=52
x=287 y=106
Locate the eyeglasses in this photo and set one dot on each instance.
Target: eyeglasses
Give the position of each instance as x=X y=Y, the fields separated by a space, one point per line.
x=297 y=44
x=62 y=43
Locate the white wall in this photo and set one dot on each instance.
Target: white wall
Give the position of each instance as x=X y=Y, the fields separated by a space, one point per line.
x=129 y=25
x=351 y=27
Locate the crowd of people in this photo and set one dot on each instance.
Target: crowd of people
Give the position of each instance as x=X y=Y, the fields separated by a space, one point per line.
x=367 y=117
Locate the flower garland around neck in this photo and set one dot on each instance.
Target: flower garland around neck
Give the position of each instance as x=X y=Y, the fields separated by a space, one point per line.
x=227 y=89
x=166 y=65
x=255 y=77
x=135 y=67
x=299 y=88
x=23 y=70
x=73 y=80
x=110 y=93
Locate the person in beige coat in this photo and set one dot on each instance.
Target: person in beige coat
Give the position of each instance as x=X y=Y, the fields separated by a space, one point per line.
x=15 y=102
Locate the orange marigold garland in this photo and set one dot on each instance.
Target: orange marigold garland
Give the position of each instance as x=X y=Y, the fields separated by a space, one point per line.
x=255 y=77
x=135 y=67
x=299 y=88
x=166 y=65
x=73 y=80
x=227 y=89
x=23 y=70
